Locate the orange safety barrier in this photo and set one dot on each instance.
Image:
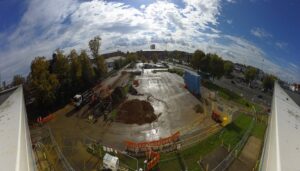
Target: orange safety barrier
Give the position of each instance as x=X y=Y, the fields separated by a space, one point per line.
x=155 y=157
x=45 y=119
x=172 y=138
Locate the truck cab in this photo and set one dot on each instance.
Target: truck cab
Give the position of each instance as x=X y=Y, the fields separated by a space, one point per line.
x=77 y=100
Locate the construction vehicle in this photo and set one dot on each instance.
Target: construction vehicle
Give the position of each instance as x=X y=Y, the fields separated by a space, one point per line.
x=77 y=100
x=221 y=114
x=82 y=99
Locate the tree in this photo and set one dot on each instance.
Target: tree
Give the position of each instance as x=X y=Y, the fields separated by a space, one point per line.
x=94 y=46
x=131 y=57
x=268 y=82
x=101 y=66
x=155 y=58
x=196 y=59
x=75 y=71
x=119 y=63
x=61 y=68
x=228 y=67
x=18 y=80
x=143 y=59
x=250 y=74
x=205 y=63
x=43 y=82
x=88 y=74
x=216 y=66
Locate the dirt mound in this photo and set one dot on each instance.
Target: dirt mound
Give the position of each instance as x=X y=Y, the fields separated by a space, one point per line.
x=136 y=112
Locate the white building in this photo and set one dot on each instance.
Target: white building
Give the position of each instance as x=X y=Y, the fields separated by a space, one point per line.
x=15 y=144
x=110 y=162
x=282 y=141
x=295 y=87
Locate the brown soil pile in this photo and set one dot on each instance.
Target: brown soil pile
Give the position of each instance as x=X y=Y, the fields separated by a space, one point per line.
x=136 y=112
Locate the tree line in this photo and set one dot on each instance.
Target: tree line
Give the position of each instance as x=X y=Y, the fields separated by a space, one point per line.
x=217 y=67
x=211 y=63
x=51 y=83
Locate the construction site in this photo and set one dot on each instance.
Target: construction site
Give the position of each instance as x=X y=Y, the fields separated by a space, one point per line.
x=148 y=117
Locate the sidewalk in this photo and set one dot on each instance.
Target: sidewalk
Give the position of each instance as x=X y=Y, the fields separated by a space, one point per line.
x=248 y=157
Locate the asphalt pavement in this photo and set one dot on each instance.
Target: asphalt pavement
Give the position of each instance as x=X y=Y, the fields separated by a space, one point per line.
x=295 y=96
x=254 y=95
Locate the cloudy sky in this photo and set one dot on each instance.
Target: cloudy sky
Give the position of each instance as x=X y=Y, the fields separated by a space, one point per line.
x=262 y=33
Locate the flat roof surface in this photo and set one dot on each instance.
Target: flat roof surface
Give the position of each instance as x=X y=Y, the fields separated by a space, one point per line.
x=282 y=147
x=5 y=94
x=15 y=142
x=112 y=59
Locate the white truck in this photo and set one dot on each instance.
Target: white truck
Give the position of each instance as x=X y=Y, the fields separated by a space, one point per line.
x=77 y=100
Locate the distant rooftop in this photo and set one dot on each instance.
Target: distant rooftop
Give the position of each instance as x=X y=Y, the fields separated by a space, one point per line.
x=112 y=59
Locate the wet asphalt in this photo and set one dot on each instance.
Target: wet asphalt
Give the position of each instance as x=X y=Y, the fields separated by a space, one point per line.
x=171 y=101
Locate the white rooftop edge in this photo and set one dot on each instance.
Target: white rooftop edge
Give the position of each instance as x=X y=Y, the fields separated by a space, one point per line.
x=15 y=143
x=282 y=141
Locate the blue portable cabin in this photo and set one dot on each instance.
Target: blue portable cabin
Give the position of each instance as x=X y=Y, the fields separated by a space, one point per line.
x=193 y=82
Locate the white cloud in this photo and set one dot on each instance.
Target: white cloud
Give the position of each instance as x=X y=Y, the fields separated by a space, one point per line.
x=294 y=65
x=143 y=6
x=281 y=45
x=43 y=28
x=231 y=1
x=229 y=21
x=260 y=33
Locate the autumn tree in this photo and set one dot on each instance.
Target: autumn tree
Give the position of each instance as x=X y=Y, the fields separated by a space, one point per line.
x=131 y=57
x=75 y=71
x=101 y=66
x=61 y=68
x=18 y=80
x=88 y=74
x=94 y=46
x=43 y=82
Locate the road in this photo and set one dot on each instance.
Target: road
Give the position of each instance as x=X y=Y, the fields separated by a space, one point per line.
x=295 y=96
x=243 y=90
x=246 y=92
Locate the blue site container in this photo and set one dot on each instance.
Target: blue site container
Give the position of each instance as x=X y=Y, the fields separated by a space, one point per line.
x=193 y=82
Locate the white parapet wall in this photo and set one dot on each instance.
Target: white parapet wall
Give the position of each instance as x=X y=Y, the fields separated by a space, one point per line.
x=15 y=144
x=282 y=141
